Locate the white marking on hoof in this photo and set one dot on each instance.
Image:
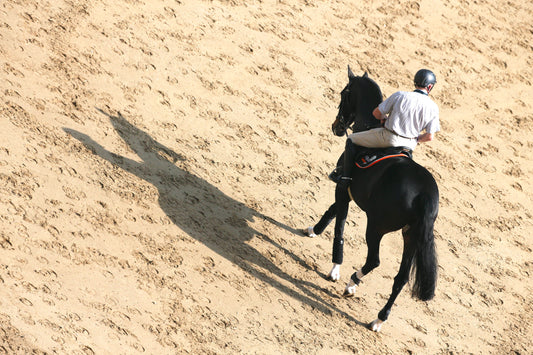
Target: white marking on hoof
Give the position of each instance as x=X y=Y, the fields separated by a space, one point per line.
x=335 y=273
x=349 y=291
x=376 y=325
x=309 y=232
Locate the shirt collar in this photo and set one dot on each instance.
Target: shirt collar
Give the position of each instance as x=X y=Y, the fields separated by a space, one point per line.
x=421 y=92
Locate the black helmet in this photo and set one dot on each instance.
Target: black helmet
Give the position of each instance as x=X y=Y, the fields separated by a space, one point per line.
x=424 y=77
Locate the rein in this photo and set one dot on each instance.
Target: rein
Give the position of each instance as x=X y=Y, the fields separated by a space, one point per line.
x=356 y=99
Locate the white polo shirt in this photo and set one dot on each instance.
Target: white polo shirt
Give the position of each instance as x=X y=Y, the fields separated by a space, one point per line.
x=410 y=113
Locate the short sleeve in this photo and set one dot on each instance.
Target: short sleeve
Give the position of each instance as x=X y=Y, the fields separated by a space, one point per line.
x=386 y=106
x=434 y=123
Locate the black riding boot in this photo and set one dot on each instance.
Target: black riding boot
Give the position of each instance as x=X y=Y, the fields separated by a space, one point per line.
x=349 y=162
x=336 y=174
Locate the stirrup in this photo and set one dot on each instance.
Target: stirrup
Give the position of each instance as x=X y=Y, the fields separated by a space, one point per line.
x=345 y=180
x=344 y=183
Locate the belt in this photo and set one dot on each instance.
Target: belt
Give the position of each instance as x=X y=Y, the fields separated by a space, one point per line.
x=399 y=135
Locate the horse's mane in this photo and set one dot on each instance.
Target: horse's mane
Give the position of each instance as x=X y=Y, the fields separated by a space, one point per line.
x=371 y=87
x=370 y=97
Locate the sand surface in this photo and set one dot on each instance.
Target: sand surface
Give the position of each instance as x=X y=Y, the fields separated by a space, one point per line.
x=159 y=158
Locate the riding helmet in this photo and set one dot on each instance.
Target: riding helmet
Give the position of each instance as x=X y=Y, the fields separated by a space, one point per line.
x=424 y=77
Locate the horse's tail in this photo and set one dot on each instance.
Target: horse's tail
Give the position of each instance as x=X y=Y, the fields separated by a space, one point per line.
x=424 y=267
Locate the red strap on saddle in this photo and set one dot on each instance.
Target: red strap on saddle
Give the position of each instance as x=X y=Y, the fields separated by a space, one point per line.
x=378 y=160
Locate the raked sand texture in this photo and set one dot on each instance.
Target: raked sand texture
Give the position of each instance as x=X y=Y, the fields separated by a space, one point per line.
x=159 y=158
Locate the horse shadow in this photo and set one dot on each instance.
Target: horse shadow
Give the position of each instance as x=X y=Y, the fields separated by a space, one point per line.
x=206 y=213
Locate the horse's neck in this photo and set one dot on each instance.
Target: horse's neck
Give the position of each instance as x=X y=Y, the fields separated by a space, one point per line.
x=368 y=98
x=364 y=119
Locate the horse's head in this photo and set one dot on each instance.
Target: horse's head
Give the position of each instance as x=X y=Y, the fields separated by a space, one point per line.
x=358 y=99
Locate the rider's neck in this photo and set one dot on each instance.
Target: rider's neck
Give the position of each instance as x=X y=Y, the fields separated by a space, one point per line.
x=422 y=90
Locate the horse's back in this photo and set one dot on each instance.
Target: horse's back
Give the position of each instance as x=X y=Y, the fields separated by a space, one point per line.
x=410 y=177
x=390 y=190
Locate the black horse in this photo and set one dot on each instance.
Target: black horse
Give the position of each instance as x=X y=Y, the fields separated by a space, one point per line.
x=396 y=193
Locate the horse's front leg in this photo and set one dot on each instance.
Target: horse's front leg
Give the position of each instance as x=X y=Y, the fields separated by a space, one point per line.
x=326 y=219
x=342 y=204
x=317 y=229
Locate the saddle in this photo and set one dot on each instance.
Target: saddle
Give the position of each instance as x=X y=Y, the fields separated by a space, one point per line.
x=367 y=157
x=370 y=156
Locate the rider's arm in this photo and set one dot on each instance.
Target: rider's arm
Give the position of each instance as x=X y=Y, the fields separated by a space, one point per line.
x=426 y=137
x=379 y=115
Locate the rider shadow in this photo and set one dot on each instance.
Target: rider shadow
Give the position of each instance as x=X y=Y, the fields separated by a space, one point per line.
x=204 y=212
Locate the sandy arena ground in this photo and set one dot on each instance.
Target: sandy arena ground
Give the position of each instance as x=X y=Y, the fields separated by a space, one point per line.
x=159 y=158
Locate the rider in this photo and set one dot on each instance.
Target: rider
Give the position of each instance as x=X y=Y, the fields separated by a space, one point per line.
x=404 y=115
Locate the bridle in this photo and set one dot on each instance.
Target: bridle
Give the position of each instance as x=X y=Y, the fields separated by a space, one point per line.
x=341 y=124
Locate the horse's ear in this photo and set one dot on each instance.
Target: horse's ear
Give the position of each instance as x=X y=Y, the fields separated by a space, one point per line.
x=351 y=75
x=365 y=75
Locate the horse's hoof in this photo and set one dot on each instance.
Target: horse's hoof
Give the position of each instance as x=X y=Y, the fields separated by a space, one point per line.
x=335 y=273
x=309 y=232
x=348 y=294
x=331 y=278
x=375 y=326
x=349 y=291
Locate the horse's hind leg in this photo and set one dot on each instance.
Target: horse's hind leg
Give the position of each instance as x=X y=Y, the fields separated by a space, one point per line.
x=409 y=248
x=373 y=239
